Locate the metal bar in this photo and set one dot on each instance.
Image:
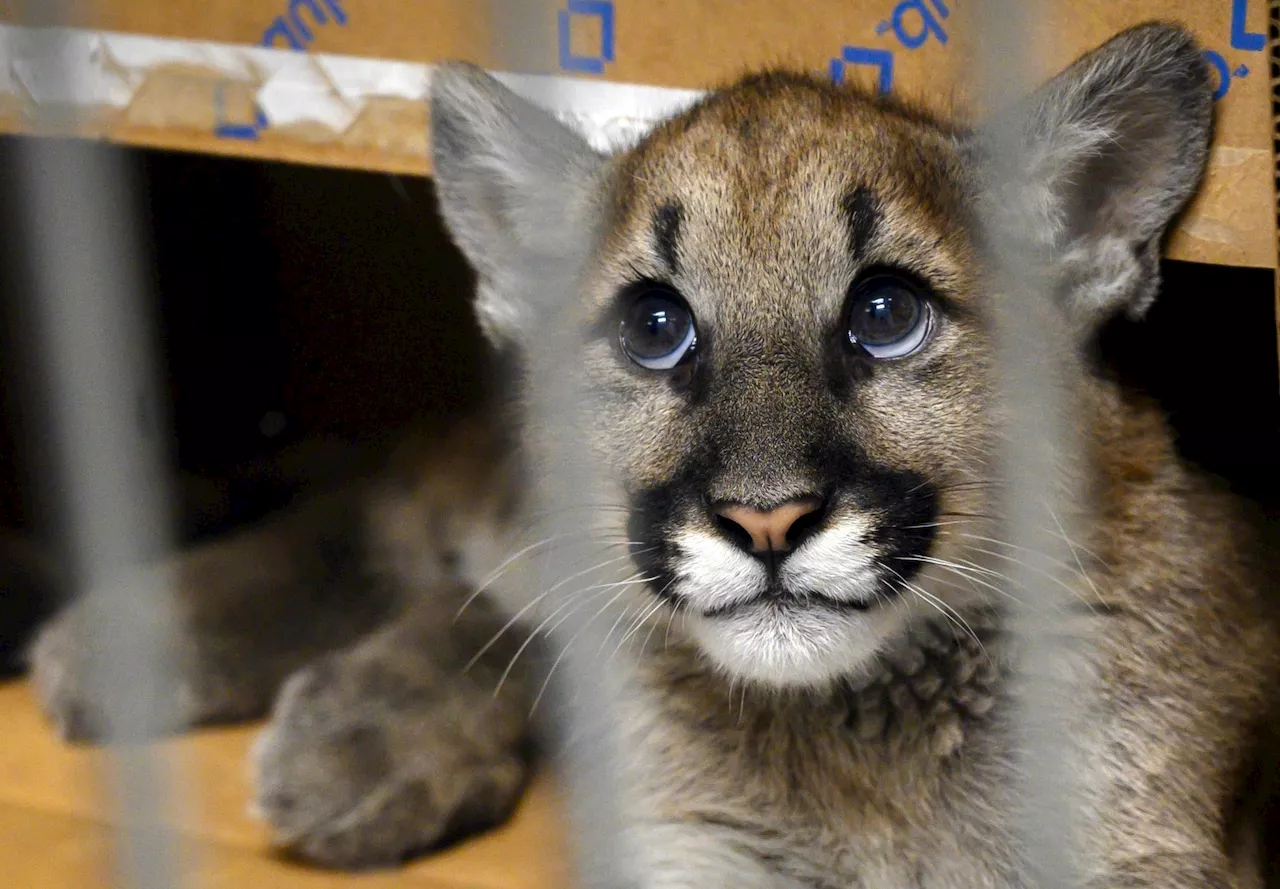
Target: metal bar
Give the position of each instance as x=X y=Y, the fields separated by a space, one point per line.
x=96 y=372
x=1037 y=453
x=582 y=697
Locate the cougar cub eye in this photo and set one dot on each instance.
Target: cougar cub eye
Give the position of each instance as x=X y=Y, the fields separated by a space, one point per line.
x=888 y=316
x=657 y=331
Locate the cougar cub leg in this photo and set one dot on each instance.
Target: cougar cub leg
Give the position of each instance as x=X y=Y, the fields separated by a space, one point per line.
x=250 y=609
x=393 y=745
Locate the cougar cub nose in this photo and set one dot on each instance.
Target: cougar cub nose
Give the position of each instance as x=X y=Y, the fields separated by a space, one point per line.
x=769 y=530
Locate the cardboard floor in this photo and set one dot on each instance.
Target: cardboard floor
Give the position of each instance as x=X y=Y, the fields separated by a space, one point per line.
x=54 y=822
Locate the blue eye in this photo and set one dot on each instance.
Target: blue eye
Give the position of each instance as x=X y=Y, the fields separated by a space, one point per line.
x=888 y=317
x=657 y=331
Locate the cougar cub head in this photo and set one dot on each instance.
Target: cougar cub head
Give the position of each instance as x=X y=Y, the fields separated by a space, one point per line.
x=785 y=308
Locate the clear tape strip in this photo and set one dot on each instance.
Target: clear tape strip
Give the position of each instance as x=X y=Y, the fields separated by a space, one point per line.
x=103 y=70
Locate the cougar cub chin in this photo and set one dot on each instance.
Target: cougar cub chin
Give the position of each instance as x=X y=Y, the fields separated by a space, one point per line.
x=784 y=305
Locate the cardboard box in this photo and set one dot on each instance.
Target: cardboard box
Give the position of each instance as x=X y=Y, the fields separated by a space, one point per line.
x=341 y=81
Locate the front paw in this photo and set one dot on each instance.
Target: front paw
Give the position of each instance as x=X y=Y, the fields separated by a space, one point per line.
x=364 y=765
x=189 y=688
x=66 y=675
x=60 y=678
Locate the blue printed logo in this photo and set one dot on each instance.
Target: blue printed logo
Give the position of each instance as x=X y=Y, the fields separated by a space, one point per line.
x=1241 y=36
x=1224 y=71
x=913 y=22
x=225 y=129
x=882 y=59
x=578 y=10
x=294 y=29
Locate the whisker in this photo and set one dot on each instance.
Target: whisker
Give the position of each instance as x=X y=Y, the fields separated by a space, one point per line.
x=1036 y=569
x=961 y=571
x=577 y=602
x=966 y=565
x=942 y=607
x=645 y=614
x=609 y=635
x=533 y=603
x=565 y=650
x=506 y=563
x=914 y=590
x=960 y=486
x=963 y=518
x=625 y=613
x=926 y=525
x=666 y=637
x=1075 y=554
x=645 y=644
x=601 y=589
x=1058 y=534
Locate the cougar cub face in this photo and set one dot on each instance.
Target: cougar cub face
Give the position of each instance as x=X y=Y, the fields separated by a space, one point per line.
x=789 y=330
x=787 y=322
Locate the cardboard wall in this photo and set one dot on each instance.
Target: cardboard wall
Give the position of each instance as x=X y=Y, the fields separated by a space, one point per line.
x=341 y=81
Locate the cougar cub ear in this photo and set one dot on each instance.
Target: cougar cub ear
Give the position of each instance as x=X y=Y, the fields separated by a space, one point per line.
x=513 y=183
x=1113 y=148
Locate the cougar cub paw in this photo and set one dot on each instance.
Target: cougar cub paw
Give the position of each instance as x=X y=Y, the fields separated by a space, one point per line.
x=190 y=689
x=61 y=674
x=59 y=677
x=362 y=766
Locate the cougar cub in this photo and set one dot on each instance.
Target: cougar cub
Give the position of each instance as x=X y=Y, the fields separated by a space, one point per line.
x=785 y=312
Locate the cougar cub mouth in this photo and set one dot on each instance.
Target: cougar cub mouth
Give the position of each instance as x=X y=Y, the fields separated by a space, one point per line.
x=850 y=548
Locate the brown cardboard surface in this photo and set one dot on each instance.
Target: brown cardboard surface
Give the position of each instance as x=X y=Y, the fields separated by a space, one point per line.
x=670 y=43
x=1274 y=30
x=54 y=821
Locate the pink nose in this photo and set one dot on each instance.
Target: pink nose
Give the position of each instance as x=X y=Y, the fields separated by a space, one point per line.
x=768 y=528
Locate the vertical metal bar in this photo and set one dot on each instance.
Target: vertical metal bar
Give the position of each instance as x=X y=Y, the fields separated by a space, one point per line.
x=1037 y=454
x=585 y=695
x=524 y=35
x=96 y=372
x=582 y=697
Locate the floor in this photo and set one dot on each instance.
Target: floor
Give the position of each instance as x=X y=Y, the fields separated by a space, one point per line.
x=54 y=822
